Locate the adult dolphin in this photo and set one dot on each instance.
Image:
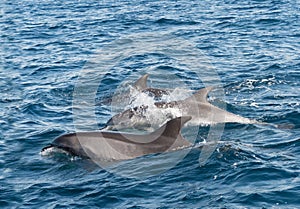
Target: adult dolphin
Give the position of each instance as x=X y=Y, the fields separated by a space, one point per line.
x=196 y=106
x=110 y=146
x=141 y=85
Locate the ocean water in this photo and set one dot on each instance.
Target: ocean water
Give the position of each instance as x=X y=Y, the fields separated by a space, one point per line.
x=58 y=56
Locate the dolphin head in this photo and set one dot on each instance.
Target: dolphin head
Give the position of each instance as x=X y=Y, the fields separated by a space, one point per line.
x=69 y=143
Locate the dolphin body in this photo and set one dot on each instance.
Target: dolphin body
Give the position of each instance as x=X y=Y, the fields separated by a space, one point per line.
x=115 y=146
x=196 y=106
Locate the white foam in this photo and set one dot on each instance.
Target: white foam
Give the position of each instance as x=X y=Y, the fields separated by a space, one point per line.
x=176 y=94
x=159 y=116
x=139 y=98
x=52 y=150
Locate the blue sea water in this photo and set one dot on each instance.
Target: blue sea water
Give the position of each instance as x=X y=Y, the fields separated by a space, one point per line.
x=253 y=45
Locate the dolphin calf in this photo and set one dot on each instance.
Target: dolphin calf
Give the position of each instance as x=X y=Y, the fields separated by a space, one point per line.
x=196 y=106
x=115 y=146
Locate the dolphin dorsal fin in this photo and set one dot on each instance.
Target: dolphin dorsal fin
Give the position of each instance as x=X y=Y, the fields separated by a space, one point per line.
x=141 y=83
x=201 y=95
x=172 y=128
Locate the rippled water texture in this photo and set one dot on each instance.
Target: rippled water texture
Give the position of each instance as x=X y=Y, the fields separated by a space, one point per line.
x=254 y=46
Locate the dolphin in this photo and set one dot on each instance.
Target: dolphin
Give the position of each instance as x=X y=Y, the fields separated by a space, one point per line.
x=116 y=146
x=141 y=85
x=196 y=106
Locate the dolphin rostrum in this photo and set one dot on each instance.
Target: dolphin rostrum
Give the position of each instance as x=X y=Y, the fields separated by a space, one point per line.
x=196 y=106
x=111 y=146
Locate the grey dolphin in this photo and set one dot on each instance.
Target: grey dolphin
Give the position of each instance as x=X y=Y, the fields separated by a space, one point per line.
x=197 y=106
x=100 y=145
x=141 y=85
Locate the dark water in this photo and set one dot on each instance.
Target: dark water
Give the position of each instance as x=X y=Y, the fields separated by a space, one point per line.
x=254 y=46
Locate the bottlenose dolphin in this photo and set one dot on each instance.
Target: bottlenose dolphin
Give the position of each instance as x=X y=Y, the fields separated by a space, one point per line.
x=111 y=146
x=141 y=85
x=196 y=106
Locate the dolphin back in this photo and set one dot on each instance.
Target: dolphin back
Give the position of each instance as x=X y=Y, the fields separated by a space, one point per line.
x=170 y=133
x=172 y=128
x=200 y=96
x=141 y=83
